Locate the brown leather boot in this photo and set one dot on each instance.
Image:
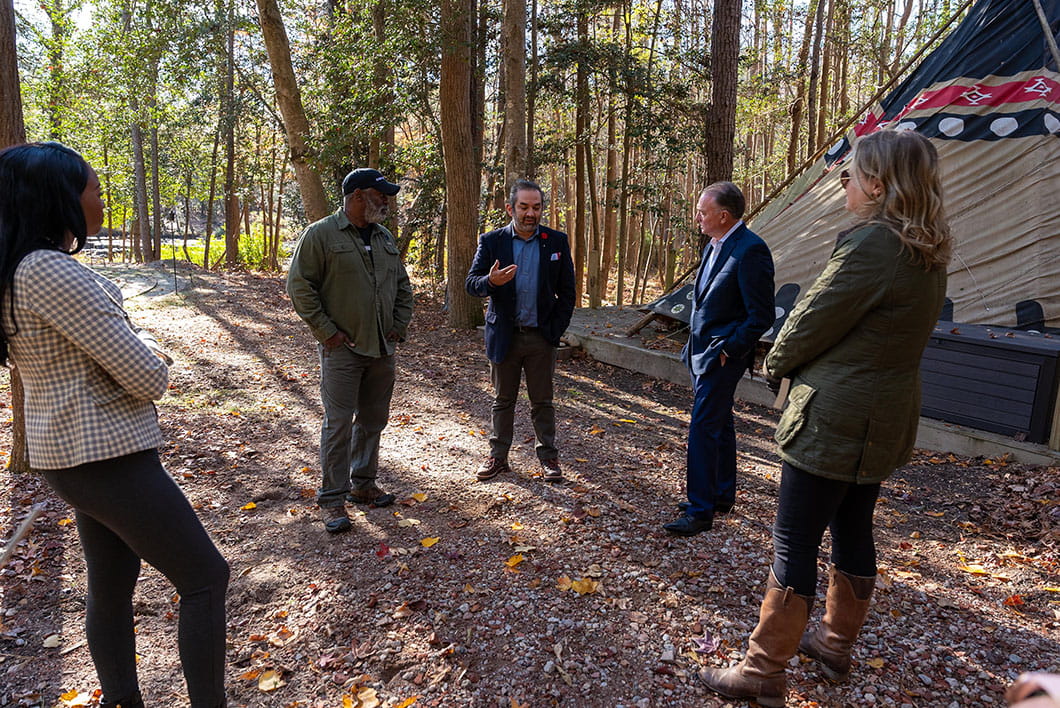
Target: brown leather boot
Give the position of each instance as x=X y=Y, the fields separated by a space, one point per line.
x=845 y=609
x=781 y=621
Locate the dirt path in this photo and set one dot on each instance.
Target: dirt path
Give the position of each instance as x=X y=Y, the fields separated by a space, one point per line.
x=513 y=592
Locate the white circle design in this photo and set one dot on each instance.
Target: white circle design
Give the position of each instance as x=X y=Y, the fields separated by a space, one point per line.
x=835 y=148
x=951 y=126
x=1052 y=123
x=1004 y=126
x=906 y=125
x=677 y=309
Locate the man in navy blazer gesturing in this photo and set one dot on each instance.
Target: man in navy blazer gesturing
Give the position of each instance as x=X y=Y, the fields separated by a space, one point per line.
x=526 y=271
x=732 y=307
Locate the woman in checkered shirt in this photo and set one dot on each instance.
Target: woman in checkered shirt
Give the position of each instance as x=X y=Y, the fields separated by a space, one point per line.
x=92 y=431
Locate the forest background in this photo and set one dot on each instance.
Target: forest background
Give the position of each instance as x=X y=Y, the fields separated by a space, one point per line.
x=219 y=129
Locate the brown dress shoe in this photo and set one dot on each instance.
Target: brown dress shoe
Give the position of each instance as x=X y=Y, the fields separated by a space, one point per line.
x=552 y=471
x=491 y=468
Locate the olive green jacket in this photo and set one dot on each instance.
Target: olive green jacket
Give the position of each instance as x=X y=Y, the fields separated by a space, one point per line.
x=334 y=284
x=852 y=349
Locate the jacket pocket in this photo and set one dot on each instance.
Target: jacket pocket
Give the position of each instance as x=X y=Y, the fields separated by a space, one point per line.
x=887 y=445
x=795 y=413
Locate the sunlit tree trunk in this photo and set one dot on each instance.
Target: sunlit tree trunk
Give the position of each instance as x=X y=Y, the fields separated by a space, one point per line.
x=288 y=95
x=461 y=169
x=513 y=47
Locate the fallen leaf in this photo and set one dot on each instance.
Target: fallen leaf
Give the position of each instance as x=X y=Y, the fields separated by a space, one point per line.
x=65 y=522
x=407 y=702
x=420 y=497
x=383 y=551
x=428 y=542
x=975 y=569
x=515 y=560
x=248 y=506
x=250 y=675
x=1014 y=601
x=563 y=583
x=596 y=431
x=584 y=586
x=876 y=662
x=405 y=523
x=51 y=641
x=706 y=644
x=270 y=681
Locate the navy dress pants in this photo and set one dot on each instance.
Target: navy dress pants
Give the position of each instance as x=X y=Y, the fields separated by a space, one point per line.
x=711 y=473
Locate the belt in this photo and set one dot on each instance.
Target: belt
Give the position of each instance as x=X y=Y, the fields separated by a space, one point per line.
x=524 y=328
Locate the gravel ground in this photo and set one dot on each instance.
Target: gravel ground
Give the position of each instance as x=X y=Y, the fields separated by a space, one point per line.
x=513 y=592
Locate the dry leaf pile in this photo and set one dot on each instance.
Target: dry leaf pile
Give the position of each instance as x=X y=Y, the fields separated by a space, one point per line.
x=513 y=593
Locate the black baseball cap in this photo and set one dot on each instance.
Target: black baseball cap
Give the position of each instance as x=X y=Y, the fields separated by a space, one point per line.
x=365 y=178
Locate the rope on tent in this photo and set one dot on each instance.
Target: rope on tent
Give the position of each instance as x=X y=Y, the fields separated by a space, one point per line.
x=1050 y=40
x=841 y=131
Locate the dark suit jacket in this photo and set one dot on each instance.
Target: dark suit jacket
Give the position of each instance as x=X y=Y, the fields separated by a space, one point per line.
x=732 y=305
x=555 y=288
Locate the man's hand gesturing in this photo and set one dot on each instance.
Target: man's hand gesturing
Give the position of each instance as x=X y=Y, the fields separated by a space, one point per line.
x=499 y=276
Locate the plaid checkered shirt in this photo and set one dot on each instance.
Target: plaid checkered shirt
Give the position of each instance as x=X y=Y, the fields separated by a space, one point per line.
x=90 y=375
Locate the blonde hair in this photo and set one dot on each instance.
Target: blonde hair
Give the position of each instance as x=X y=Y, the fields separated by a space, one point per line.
x=906 y=164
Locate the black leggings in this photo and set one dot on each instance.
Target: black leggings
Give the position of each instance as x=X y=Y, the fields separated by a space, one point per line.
x=128 y=508
x=808 y=504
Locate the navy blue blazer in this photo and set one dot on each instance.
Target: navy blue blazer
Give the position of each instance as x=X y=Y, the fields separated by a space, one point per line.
x=732 y=306
x=555 y=288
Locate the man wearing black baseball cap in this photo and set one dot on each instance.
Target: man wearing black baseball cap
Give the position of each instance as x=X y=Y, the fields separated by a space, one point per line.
x=348 y=283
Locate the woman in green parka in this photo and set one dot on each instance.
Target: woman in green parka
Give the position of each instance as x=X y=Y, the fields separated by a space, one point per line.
x=851 y=349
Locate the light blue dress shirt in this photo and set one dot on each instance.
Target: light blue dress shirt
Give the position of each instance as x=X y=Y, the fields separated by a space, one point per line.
x=527 y=256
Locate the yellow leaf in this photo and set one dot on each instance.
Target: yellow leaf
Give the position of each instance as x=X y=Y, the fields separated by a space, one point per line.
x=975 y=569
x=270 y=681
x=469 y=589
x=420 y=497
x=936 y=514
x=516 y=526
x=582 y=460
x=248 y=506
x=915 y=534
x=1050 y=588
x=592 y=511
x=407 y=702
x=428 y=542
x=876 y=663
x=563 y=583
x=65 y=522
x=69 y=695
x=347 y=702
x=584 y=586
x=514 y=560
x=626 y=420
x=251 y=675
x=596 y=431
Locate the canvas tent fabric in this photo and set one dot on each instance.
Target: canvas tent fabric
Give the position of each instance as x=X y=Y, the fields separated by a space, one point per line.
x=989 y=99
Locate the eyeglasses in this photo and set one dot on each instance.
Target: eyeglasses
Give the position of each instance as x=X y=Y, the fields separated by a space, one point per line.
x=844 y=179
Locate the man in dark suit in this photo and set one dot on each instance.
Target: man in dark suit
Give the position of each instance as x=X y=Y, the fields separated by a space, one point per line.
x=526 y=271
x=732 y=306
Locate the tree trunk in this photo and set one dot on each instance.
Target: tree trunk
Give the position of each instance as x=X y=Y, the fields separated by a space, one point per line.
x=798 y=106
x=607 y=257
x=230 y=196
x=812 y=99
x=581 y=130
x=142 y=242
x=458 y=147
x=531 y=169
x=12 y=128
x=289 y=97
x=724 y=68
x=513 y=44
x=12 y=132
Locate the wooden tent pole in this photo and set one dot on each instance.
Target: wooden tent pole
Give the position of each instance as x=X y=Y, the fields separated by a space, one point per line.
x=1050 y=40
